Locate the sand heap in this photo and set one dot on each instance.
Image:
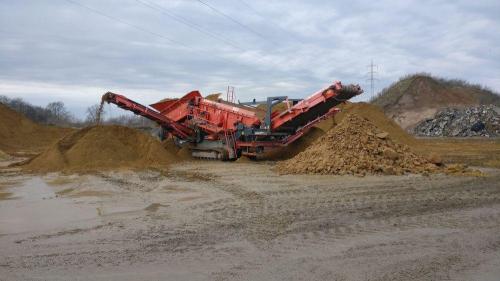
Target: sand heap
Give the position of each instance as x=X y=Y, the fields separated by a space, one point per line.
x=356 y=146
x=365 y=110
x=100 y=148
x=376 y=116
x=3 y=155
x=19 y=134
x=295 y=147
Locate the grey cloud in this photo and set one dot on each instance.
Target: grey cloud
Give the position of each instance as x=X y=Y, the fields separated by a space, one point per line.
x=309 y=44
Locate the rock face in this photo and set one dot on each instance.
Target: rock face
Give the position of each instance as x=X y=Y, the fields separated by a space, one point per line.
x=462 y=122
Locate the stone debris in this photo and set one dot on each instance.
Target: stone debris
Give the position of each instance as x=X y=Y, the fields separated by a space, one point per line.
x=357 y=147
x=480 y=121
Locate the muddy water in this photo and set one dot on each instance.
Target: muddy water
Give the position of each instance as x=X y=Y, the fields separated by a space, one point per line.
x=34 y=206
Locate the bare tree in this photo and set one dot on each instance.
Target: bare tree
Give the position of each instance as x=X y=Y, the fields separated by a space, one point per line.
x=58 y=113
x=94 y=112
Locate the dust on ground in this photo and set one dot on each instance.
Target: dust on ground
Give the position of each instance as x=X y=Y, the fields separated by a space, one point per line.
x=196 y=221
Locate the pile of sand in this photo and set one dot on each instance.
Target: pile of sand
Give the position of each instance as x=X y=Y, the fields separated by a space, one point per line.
x=213 y=97
x=357 y=146
x=376 y=116
x=295 y=147
x=3 y=155
x=365 y=110
x=100 y=148
x=19 y=134
x=182 y=153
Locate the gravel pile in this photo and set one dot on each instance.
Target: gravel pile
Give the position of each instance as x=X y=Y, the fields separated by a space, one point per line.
x=357 y=147
x=481 y=121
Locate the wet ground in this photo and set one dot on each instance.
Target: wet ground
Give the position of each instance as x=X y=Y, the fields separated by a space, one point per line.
x=241 y=221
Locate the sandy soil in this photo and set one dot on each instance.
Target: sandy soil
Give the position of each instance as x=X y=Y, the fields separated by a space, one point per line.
x=240 y=221
x=471 y=151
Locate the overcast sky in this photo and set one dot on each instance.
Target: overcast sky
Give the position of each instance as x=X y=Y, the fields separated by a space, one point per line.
x=54 y=50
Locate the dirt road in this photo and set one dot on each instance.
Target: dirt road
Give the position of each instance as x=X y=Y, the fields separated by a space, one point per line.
x=240 y=221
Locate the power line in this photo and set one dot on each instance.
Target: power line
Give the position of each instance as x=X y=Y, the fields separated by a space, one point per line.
x=222 y=14
x=140 y=28
x=186 y=22
x=145 y=30
x=126 y=23
x=197 y=27
x=372 y=79
x=268 y=21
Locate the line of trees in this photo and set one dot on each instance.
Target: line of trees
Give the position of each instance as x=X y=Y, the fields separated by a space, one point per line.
x=56 y=113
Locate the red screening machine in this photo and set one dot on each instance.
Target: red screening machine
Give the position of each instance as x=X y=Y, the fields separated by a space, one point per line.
x=224 y=130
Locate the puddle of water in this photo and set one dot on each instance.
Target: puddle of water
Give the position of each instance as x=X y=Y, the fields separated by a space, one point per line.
x=36 y=207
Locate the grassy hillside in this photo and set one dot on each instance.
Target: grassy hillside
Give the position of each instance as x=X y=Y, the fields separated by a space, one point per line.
x=423 y=90
x=419 y=96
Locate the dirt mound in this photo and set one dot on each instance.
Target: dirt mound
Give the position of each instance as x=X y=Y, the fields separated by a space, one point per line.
x=3 y=155
x=378 y=118
x=417 y=97
x=356 y=146
x=295 y=147
x=213 y=97
x=184 y=153
x=244 y=159
x=365 y=110
x=100 y=148
x=19 y=134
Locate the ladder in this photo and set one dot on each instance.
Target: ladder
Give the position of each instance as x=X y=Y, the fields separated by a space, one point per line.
x=230 y=97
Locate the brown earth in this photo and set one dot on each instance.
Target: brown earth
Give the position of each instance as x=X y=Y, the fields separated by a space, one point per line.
x=365 y=110
x=417 y=97
x=470 y=151
x=295 y=147
x=100 y=148
x=474 y=152
x=18 y=134
x=184 y=153
x=378 y=118
x=357 y=146
x=213 y=97
x=3 y=155
x=198 y=221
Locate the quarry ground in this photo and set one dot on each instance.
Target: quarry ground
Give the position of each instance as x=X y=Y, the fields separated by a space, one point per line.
x=208 y=220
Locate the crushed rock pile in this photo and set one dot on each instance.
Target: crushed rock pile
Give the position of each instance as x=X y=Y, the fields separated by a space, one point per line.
x=481 y=121
x=19 y=134
x=356 y=146
x=295 y=147
x=365 y=110
x=377 y=117
x=99 y=148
